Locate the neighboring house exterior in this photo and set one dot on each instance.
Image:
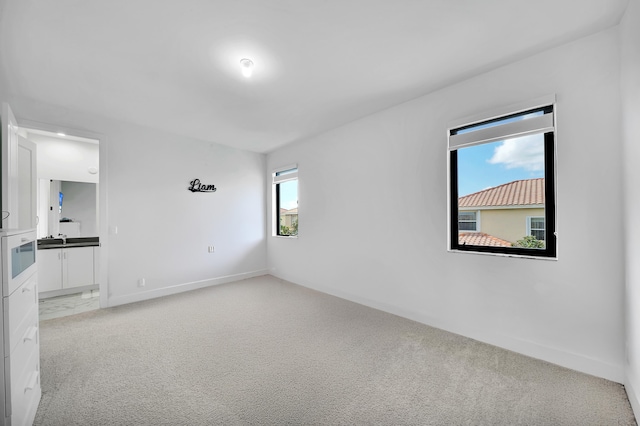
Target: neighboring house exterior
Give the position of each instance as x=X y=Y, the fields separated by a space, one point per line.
x=504 y=214
x=481 y=239
x=288 y=217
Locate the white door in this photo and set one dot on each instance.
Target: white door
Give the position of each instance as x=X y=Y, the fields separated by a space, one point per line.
x=27 y=184
x=9 y=165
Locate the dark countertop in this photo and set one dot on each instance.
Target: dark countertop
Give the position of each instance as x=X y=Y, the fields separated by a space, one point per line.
x=56 y=243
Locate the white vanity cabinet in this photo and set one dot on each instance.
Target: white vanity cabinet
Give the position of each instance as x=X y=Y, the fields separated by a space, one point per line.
x=50 y=265
x=80 y=267
x=66 y=268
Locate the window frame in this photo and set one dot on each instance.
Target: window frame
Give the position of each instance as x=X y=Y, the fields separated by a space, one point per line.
x=492 y=134
x=278 y=177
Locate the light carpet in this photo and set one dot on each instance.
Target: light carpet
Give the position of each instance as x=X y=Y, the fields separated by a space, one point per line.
x=267 y=352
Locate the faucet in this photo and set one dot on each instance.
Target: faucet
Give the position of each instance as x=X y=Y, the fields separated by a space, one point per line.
x=64 y=238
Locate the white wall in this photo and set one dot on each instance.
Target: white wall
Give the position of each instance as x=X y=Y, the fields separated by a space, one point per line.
x=630 y=89
x=393 y=164
x=66 y=159
x=163 y=230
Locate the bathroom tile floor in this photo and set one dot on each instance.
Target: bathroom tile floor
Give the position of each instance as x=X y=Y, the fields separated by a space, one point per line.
x=62 y=306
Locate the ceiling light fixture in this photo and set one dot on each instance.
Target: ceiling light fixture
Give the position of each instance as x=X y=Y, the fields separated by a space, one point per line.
x=247 y=67
x=61 y=134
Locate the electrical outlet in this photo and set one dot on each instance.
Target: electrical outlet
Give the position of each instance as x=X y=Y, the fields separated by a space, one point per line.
x=210 y=249
x=142 y=282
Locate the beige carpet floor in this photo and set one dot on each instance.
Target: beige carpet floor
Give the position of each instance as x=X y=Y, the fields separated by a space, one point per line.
x=267 y=352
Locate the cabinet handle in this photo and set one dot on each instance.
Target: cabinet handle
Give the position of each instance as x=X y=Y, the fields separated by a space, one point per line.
x=32 y=382
x=30 y=335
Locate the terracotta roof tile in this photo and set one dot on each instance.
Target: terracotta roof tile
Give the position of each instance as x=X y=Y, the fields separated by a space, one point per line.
x=481 y=239
x=516 y=193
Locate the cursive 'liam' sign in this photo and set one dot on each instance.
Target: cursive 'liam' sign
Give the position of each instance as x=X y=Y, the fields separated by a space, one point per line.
x=197 y=186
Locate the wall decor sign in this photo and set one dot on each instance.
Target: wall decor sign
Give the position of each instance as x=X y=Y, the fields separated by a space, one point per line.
x=197 y=186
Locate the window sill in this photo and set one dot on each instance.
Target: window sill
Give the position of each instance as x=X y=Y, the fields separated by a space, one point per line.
x=521 y=256
x=286 y=237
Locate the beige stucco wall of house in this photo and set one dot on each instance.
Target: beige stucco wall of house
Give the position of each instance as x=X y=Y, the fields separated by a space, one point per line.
x=507 y=224
x=288 y=219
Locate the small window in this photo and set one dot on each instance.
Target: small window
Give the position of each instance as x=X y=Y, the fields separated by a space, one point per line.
x=467 y=221
x=285 y=192
x=504 y=167
x=535 y=226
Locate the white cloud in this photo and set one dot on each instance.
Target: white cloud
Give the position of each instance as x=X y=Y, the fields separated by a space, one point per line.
x=526 y=152
x=289 y=204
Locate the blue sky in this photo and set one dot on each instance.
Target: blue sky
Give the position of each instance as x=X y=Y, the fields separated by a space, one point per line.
x=492 y=164
x=496 y=163
x=289 y=194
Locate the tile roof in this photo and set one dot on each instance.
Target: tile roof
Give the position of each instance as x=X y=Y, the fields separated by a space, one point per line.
x=516 y=193
x=481 y=239
x=290 y=211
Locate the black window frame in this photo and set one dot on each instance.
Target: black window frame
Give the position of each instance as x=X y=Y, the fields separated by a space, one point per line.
x=277 y=215
x=550 y=249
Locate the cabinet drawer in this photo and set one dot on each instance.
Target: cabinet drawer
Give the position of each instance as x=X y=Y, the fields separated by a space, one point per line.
x=20 y=311
x=25 y=349
x=25 y=391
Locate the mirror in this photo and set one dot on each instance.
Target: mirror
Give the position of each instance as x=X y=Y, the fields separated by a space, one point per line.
x=71 y=208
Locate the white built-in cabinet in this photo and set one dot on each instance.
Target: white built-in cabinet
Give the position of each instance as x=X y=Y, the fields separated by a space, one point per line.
x=21 y=390
x=66 y=268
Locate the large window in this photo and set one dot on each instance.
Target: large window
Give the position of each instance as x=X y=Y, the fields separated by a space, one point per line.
x=504 y=169
x=285 y=191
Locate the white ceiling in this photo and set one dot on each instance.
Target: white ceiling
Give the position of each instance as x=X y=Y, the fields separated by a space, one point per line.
x=174 y=65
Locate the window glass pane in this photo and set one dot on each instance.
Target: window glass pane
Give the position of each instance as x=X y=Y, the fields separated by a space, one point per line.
x=467 y=216
x=467 y=226
x=538 y=234
x=288 y=208
x=537 y=228
x=467 y=221
x=286 y=172
x=537 y=223
x=506 y=180
x=498 y=122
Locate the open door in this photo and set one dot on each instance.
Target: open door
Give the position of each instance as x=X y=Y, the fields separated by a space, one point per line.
x=9 y=165
x=27 y=184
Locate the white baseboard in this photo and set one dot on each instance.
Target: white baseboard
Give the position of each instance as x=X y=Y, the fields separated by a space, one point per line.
x=559 y=357
x=66 y=291
x=632 y=385
x=180 y=288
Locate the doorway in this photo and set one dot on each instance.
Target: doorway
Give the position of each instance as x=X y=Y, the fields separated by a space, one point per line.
x=68 y=221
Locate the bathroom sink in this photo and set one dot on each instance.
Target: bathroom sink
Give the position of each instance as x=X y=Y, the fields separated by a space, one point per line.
x=53 y=243
x=49 y=242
